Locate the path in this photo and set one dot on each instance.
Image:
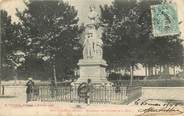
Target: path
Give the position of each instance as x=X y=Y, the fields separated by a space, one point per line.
x=13 y=107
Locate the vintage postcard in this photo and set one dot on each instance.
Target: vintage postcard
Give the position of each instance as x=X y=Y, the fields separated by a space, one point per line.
x=91 y=57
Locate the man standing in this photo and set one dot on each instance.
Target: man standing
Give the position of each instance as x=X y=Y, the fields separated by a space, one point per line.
x=29 y=89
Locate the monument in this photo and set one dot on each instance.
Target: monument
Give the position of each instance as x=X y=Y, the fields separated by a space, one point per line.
x=92 y=66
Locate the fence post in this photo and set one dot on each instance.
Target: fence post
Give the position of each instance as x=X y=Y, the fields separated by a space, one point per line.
x=41 y=94
x=2 y=89
x=105 y=93
x=70 y=93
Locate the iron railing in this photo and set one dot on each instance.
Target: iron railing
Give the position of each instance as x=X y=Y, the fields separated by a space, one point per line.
x=100 y=94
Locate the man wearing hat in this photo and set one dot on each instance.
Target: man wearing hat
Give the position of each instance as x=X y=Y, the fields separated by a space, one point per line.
x=29 y=89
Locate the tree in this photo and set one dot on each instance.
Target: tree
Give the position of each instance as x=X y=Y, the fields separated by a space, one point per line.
x=121 y=34
x=128 y=36
x=158 y=51
x=50 y=31
x=9 y=46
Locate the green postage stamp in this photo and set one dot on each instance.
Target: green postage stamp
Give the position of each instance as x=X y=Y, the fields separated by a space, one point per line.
x=164 y=20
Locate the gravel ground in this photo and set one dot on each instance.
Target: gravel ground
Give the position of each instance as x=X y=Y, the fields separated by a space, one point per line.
x=17 y=107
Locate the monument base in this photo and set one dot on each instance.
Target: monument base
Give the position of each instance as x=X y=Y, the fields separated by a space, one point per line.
x=94 y=69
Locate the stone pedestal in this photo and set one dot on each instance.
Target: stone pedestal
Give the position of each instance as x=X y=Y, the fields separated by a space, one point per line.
x=94 y=69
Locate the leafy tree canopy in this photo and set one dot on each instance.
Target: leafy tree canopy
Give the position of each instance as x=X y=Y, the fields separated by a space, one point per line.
x=128 y=36
x=50 y=31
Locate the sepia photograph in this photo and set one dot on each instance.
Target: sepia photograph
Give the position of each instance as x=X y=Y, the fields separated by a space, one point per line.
x=91 y=57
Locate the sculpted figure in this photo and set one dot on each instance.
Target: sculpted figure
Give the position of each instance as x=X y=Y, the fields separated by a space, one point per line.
x=98 y=48
x=93 y=15
x=92 y=47
x=88 y=51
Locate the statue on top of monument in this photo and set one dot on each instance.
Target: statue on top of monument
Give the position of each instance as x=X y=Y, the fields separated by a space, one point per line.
x=92 y=46
x=93 y=15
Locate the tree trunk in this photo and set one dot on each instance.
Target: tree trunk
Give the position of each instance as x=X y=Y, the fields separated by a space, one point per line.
x=146 y=71
x=150 y=68
x=54 y=74
x=15 y=76
x=149 y=73
x=0 y=62
x=131 y=74
x=155 y=70
x=174 y=71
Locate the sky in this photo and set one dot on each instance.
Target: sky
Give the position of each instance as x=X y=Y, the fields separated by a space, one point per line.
x=83 y=8
x=81 y=5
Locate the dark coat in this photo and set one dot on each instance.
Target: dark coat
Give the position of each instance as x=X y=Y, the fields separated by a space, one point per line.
x=30 y=85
